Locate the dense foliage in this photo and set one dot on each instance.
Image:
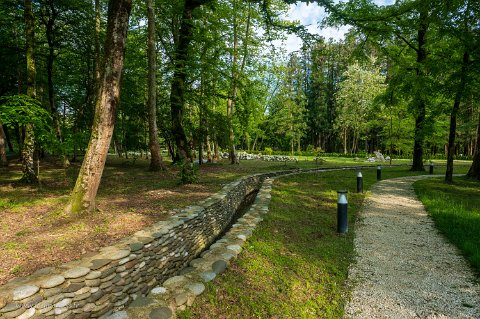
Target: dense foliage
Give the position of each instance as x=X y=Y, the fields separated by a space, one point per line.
x=393 y=84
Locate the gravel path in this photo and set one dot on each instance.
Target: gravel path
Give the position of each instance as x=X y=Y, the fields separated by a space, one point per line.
x=405 y=268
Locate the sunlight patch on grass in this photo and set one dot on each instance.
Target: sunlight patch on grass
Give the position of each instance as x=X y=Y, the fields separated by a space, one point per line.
x=455 y=209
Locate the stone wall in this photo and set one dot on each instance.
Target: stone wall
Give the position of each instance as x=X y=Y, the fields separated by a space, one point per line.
x=112 y=278
x=116 y=275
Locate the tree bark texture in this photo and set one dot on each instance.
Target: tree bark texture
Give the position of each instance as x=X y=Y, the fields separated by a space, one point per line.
x=49 y=23
x=7 y=138
x=83 y=196
x=97 y=44
x=156 y=162
x=3 y=149
x=419 y=138
x=177 y=94
x=453 y=118
x=474 y=170
x=28 y=145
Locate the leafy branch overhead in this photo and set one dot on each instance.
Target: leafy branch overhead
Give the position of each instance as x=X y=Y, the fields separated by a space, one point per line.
x=20 y=110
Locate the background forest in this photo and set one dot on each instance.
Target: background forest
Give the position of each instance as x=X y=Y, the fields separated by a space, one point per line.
x=199 y=77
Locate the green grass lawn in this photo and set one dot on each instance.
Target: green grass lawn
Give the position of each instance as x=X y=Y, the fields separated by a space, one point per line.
x=455 y=208
x=34 y=227
x=295 y=264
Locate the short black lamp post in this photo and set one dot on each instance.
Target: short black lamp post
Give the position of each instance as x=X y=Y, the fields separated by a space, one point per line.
x=342 y=215
x=379 y=172
x=359 y=182
x=431 y=168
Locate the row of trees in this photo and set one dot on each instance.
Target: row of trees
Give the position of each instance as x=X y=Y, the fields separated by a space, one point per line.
x=198 y=76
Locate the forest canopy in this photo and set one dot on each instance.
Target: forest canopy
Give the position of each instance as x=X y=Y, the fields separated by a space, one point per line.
x=194 y=78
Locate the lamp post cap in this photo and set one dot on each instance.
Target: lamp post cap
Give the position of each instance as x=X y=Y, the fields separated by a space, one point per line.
x=342 y=191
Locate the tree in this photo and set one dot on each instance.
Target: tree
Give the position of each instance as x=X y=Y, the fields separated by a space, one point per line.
x=156 y=158
x=474 y=170
x=236 y=72
x=83 y=195
x=178 y=86
x=3 y=150
x=287 y=109
x=356 y=101
x=28 y=145
x=22 y=111
x=407 y=22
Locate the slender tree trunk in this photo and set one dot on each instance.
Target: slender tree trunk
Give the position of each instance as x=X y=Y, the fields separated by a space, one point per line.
x=474 y=170
x=28 y=145
x=156 y=162
x=50 y=34
x=97 y=44
x=216 y=155
x=7 y=139
x=419 y=138
x=453 y=118
x=233 y=91
x=255 y=142
x=88 y=181
x=209 y=148
x=3 y=150
x=177 y=94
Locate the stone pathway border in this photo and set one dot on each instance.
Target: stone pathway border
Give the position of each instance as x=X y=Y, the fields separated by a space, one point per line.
x=405 y=268
x=178 y=292
x=100 y=283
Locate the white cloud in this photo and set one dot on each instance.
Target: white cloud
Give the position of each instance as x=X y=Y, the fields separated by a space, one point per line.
x=310 y=15
x=383 y=2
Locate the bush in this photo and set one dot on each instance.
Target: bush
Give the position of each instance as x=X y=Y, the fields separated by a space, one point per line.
x=188 y=173
x=269 y=151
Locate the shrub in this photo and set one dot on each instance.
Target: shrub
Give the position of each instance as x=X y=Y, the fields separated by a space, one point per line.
x=188 y=173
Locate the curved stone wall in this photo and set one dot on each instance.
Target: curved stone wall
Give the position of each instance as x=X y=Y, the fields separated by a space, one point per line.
x=109 y=280
x=112 y=278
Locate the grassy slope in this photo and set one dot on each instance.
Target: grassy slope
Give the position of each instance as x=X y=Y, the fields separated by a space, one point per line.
x=456 y=211
x=295 y=265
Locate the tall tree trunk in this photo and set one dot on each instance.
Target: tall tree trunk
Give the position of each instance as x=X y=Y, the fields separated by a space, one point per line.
x=232 y=96
x=474 y=170
x=88 y=181
x=235 y=73
x=28 y=145
x=50 y=34
x=453 y=118
x=3 y=150
x=216 y=155
x=209 y=149
x=156 y=162
x=8 y=140
x=97 y=44
x=177 y=94
x=419 y=138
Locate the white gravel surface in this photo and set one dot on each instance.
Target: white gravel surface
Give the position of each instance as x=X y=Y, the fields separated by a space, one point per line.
x=404 y=267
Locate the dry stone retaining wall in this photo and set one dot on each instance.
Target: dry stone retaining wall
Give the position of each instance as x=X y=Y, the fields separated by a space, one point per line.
x=109 y=280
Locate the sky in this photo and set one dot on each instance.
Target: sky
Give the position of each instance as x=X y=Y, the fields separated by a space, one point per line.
x=309 y=15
